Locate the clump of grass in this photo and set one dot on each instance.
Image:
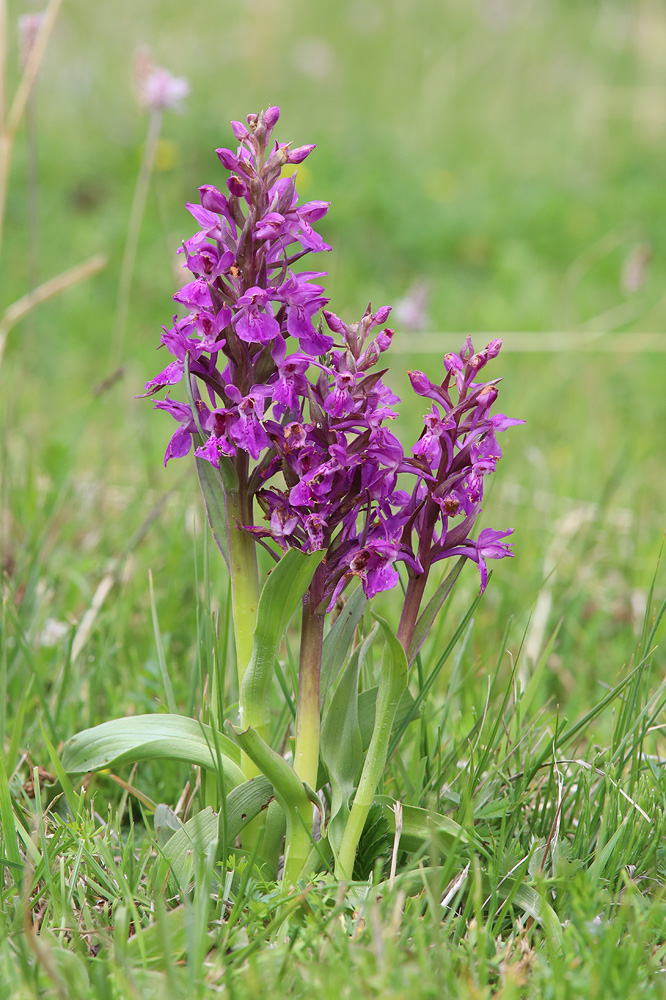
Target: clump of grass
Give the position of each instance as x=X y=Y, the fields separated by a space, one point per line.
x=544 y=863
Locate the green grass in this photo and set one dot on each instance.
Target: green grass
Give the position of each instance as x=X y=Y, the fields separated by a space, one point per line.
x=512 y=155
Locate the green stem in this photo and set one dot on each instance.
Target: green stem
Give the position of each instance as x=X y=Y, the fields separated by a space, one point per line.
x=308 y=728
x=410 y=608
x=308 y=718
x=244 y=588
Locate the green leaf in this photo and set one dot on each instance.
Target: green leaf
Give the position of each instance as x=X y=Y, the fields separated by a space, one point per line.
x=61 y=774
x=374 y=844
x=151 y=737
x=280 y=597
x=434 y=673
x=201 y=833
x=8 y=820
x=215 y=501
x=166 y=823
x=339 y=638
x=367 y=709
x=341 y=744
x=427 y=617
x=392 y=686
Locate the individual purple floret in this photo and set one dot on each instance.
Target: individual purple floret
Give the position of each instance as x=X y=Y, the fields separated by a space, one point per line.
x=289 y=394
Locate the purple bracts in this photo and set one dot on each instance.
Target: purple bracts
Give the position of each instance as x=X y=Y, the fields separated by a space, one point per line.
x=295 y=404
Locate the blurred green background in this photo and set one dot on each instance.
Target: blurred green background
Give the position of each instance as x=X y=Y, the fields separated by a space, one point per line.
x=508 y=153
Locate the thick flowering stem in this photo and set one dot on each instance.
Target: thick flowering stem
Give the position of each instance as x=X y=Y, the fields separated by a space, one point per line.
x=289 y=792
x=244 y=586
x=308 y=722
x=244 y=597
x=410 y=609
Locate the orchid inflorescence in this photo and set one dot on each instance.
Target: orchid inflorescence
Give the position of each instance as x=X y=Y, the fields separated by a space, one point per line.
x=290 y=416
x=305 y=404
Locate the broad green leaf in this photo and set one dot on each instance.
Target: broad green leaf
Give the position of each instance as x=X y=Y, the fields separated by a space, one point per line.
x=65 y=966
x=339 y=638
x=375 y=843
x=391 y=688
x=427 y=617
x=201 y=833
x=151 y=737
x=166 y=823
x=367 y=709
x=280 y=597
x=341 y=744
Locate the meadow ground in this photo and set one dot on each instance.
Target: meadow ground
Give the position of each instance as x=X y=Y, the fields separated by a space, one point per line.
x=509 y=155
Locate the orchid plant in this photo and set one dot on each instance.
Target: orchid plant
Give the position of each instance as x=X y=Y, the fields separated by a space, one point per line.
x=286 y=411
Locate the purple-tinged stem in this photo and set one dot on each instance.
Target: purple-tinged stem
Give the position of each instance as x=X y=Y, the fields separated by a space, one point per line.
x=308 y=722
x=410 y=608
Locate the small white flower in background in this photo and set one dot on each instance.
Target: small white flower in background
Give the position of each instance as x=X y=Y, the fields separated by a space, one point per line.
x=53 y=632
x=156 y=88
x=411 y=312
x=28 y=28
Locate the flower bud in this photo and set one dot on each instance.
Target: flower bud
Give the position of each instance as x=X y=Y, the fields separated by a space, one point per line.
x=299 y=154
x=240 y=131
x=271 y=116
x=213 y=200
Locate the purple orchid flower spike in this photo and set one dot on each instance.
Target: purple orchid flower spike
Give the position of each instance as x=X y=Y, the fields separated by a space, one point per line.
x=296 y=404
